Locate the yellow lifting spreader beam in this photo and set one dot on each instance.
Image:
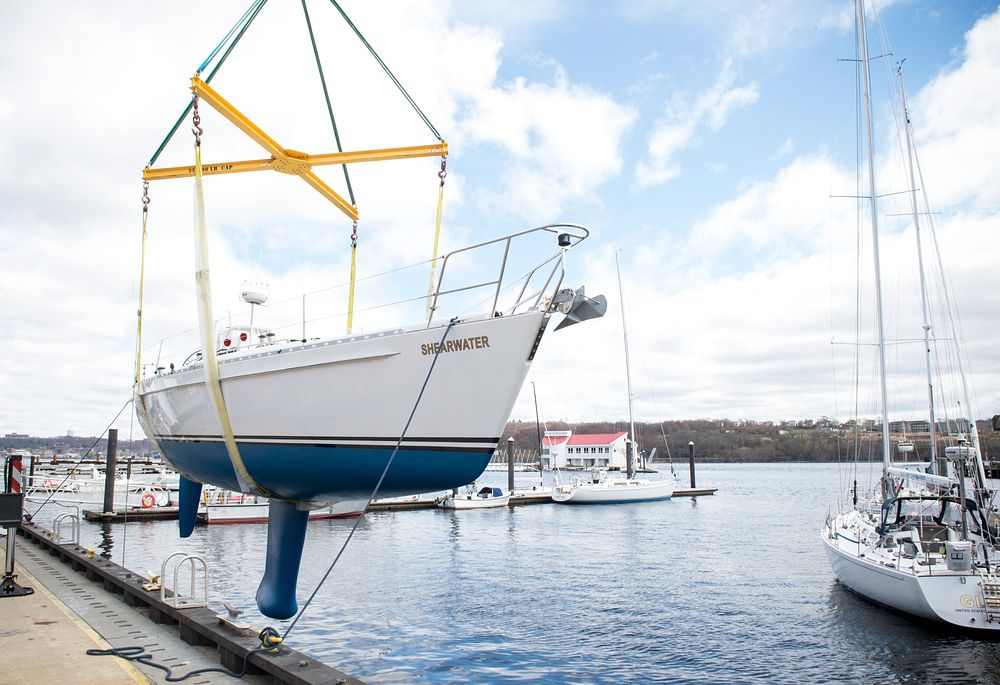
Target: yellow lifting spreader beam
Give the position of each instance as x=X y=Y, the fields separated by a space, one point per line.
x=286 y=161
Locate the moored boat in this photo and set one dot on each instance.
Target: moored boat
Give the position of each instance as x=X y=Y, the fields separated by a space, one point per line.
x=605 y=488
x=485 y=498
x=924 y=541
x=225 y=506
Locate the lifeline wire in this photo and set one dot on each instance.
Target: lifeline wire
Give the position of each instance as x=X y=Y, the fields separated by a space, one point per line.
x=326 y=96
x=378 y=485
x=255 y=9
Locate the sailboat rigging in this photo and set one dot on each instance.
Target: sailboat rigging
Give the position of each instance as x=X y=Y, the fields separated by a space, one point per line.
x=602 y=487
x=927 y=544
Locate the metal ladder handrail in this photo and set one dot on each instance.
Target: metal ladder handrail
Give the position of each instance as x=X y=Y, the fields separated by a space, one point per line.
x=176 y=599
x=74 y=527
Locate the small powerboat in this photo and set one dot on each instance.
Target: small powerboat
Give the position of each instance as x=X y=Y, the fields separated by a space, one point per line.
x=486 y=498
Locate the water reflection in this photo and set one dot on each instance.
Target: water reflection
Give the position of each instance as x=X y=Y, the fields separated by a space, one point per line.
x=107 y=542
x=731 y=588
x=917 y=651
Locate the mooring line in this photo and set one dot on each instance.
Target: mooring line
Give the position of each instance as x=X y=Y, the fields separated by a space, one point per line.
x=378 y=485
x=78 y=461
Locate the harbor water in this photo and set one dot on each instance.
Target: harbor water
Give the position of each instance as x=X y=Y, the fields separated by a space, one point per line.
x=730 y=588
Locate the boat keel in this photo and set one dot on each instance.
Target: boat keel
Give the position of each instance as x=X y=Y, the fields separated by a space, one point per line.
x=286 y=534
x=189 y=494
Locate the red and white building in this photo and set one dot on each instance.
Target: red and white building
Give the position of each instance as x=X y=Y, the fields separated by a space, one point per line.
x=566 y=450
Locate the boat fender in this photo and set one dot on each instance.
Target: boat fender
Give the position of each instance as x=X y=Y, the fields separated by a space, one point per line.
x=148 y=500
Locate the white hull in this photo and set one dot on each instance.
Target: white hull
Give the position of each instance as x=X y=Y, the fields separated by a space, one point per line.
x=306 y=415
x=474 y=502
x=934 y=593
x=614 y=491
x=89 y=493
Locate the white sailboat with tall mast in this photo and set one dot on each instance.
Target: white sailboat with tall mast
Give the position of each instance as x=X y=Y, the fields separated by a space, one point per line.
x=924 y=544
x=603 y=487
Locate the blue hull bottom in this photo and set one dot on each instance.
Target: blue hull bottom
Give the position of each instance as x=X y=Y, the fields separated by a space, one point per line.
x=318 y=472
x=311 y=472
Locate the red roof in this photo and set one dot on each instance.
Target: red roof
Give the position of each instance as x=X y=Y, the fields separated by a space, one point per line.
x=598 y=439
x=583 y=439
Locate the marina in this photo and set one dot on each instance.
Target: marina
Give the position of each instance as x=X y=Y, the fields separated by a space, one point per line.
x=513 y=594
x=363 y=437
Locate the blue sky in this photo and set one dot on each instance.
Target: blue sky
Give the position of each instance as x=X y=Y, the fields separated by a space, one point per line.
x=704 y=140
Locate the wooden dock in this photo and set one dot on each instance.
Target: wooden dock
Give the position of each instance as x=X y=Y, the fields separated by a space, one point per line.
x=196 y=635
x=517 y=498
x=132 y=515
x=694 y=492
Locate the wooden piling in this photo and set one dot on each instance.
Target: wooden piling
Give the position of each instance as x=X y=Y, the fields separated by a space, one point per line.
x=109 y=471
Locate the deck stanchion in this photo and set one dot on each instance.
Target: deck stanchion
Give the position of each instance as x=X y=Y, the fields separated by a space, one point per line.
x=111 y=464
x=691 y=461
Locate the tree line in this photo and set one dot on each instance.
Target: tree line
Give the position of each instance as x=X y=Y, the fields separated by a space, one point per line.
x=731 y=441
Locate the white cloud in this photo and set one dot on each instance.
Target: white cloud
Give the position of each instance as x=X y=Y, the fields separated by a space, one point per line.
x=786 y=148
x=516 y=18
x=732 y=315
x=565 y=140
x=678 y=129
x=736 y=318
x=955 y=117
x=109 y=84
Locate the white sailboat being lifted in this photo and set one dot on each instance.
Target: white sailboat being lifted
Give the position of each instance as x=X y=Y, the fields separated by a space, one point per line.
x=313 y=421
x=924 y=544
x=603 y=487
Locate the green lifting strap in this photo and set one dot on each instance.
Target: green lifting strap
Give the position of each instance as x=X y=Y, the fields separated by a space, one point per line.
x=245 y=20
x=326 y=95
x=387 y=71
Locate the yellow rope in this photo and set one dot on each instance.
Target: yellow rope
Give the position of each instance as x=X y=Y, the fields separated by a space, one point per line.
x=207 y=326
x=437 y=236
x=136 y=397
x=350 y=292
x=142 y=283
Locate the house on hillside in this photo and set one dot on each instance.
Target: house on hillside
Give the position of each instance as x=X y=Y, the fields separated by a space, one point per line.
x=566 y=450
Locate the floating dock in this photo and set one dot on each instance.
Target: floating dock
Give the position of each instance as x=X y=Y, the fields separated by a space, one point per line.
x=517 y=498
x=132 y=515
x=88 y=602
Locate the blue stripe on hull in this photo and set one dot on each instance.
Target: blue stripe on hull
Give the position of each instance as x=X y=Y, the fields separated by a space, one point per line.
x=315 y=472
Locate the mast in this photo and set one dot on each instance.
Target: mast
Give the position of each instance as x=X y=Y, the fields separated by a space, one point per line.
x=863 y=40
x=538 y=434
x=920 y=261
x=630 y=445
x=950 y=306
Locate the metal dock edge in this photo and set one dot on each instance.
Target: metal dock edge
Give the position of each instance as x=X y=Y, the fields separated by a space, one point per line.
x=196 y=626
